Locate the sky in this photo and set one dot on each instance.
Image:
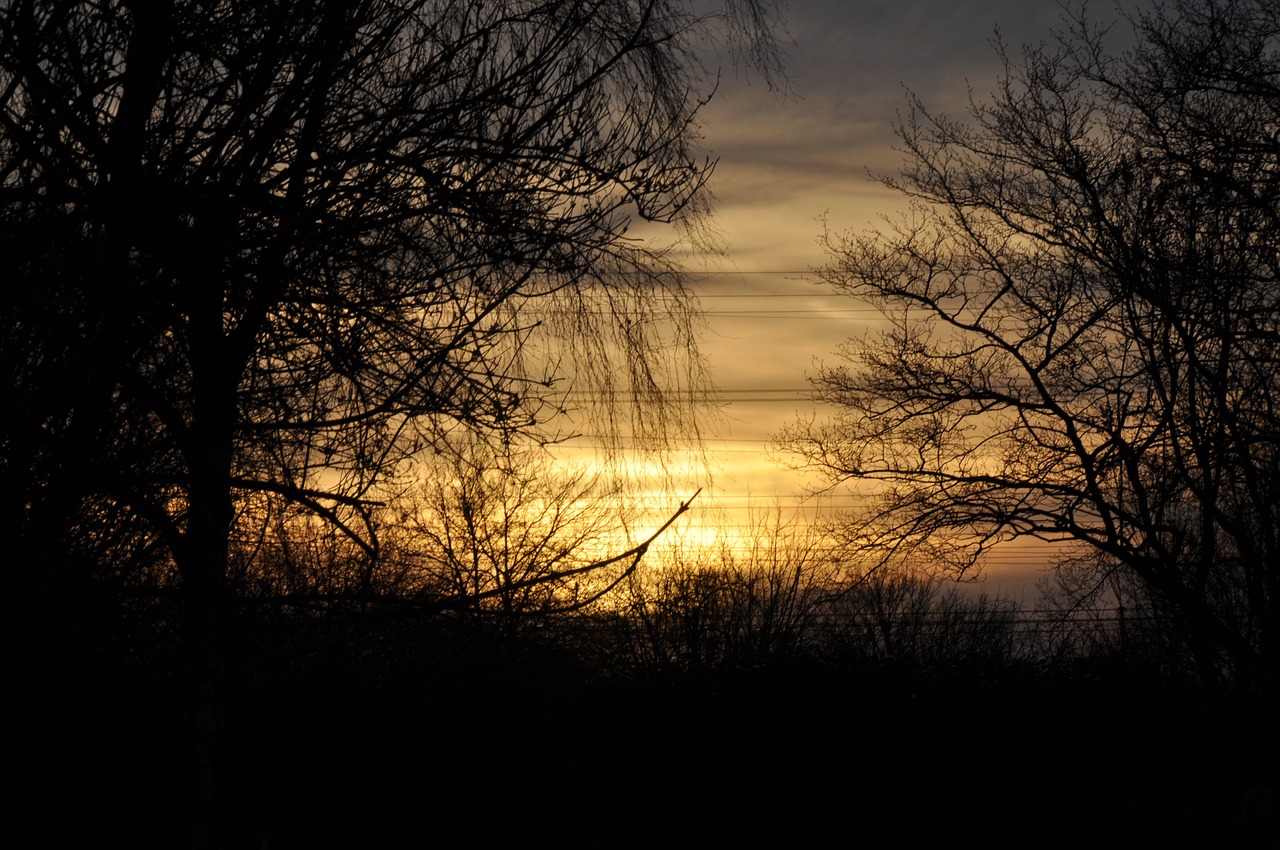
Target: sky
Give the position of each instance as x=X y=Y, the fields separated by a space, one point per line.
x=787 y=168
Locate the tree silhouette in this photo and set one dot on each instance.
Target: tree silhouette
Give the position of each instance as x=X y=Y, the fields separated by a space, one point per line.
x=1080 y=325
x=501 y=533
x=740 y=603
x=277 y=248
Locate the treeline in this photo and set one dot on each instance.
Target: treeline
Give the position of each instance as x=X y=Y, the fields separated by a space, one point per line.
x=360 y=690
x=314 y=604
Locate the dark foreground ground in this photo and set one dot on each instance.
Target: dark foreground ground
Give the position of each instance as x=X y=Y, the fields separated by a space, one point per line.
x=470 y=750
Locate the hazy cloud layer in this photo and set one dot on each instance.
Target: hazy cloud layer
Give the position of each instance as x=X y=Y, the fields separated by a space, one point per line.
x=851 y=65
x=785 y=166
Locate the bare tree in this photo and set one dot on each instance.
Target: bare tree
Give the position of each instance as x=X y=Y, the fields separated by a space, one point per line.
x=504 y=533
x=283 y=247
x=276 y=248
x=1080 y=324
x=739 y=603
x=916 y=617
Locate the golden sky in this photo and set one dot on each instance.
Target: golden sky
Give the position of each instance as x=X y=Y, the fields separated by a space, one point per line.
x=785 y=166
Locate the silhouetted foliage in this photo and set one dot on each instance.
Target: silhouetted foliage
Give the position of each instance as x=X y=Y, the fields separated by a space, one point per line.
x=739 y=603
x=914 y=618
x=275 y=250
x=263 y=252
x=1081 y=318
x=501 y=532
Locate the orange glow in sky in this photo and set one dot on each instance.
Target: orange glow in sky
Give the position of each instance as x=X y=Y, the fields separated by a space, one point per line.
x=788 y=167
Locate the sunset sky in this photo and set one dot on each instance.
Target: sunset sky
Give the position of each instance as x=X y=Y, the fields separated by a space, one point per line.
x=784 y=166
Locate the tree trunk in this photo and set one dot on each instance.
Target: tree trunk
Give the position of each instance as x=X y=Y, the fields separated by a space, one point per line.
x=203 y=559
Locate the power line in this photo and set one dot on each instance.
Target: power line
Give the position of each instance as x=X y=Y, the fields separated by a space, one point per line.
x=779 y=317
x=805 y=272
x=775 y=295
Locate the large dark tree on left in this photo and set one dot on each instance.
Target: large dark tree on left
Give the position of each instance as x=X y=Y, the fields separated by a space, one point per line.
x=267 y=249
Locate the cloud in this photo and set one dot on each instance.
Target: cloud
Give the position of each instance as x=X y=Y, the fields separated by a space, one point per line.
x=783 y=163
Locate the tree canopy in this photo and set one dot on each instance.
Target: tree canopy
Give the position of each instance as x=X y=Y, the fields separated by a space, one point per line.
x=1080 y=325
x=263 y=252
x=275 y=248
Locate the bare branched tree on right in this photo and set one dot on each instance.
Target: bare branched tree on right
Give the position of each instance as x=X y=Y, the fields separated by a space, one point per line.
x=1080 y=335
